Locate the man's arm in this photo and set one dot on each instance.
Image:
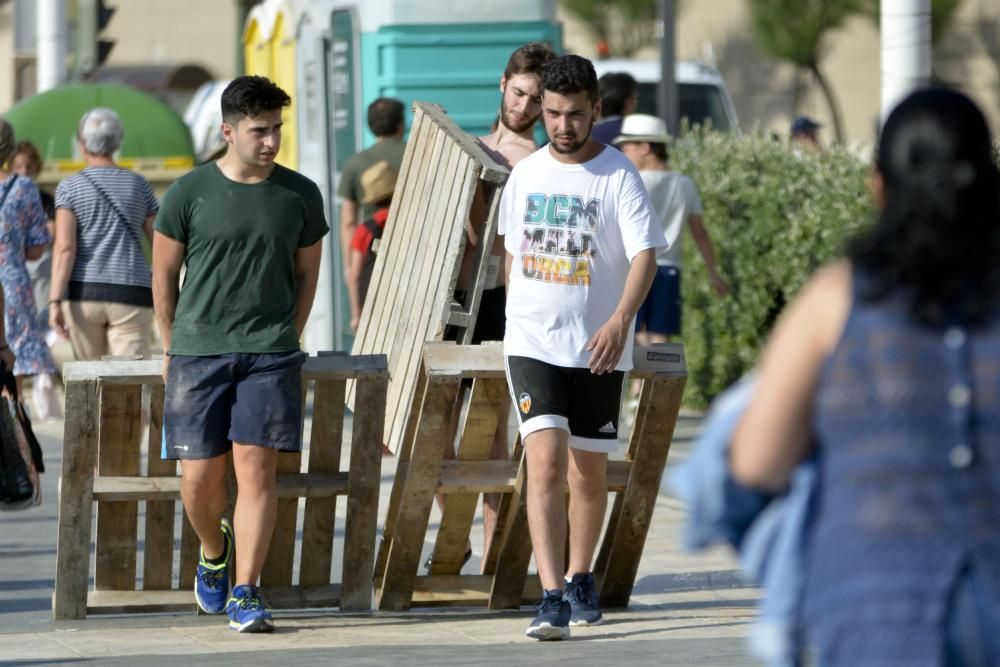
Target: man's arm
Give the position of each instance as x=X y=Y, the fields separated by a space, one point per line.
x=168 y=258
x=608 y=343
x=307 y=261
x=707 y=251
x=63 y=256
x=348 y=223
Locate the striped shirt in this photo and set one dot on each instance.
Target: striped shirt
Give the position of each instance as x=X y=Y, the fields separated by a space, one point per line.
x=110 y=264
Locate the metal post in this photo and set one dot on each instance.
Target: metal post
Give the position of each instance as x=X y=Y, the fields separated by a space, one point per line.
x=86 y=38
x=906 y=49
x=667 y=90
x=51 y=38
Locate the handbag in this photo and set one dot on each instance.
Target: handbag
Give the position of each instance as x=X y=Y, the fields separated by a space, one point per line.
x=20 y=454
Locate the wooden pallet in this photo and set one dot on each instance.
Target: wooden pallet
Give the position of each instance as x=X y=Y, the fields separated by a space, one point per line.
x=410 y=298
x=102 y=431
x=422 y=472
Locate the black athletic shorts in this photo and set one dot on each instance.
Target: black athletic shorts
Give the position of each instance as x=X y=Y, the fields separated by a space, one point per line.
x=573 y=399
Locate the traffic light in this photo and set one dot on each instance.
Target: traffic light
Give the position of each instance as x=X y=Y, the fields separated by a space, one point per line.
x=92 y=18
x=104 y=46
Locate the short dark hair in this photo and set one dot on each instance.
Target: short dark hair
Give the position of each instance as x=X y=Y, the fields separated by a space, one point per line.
x=529 y=59
x=385 y=116
x=615 y=89
x=249 y=96
x=659 y=149
x=570 y=74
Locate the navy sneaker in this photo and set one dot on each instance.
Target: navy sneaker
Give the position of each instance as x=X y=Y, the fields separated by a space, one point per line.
x=247 y=612
x=211 y=581
x=582 y=596
x=552 y=621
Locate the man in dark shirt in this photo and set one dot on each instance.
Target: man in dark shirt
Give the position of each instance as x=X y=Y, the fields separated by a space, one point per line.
x=248 y=231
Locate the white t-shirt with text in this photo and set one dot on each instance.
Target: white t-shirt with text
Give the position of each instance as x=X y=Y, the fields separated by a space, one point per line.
x=675 y=198
x=573 y=230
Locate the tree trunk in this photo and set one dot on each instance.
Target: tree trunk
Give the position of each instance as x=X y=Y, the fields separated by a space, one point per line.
x=831 y=102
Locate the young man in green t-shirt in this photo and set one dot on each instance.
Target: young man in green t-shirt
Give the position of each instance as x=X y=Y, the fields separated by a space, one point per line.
x=248 y=231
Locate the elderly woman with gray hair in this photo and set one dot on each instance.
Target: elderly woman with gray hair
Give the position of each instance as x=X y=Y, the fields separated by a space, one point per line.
x=23 y=236
x=101 y=295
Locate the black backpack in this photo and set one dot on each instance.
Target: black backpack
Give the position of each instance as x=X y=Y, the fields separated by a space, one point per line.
x=17 y=490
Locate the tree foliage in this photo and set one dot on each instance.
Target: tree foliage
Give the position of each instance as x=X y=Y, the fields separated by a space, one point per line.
x=797 y=31
x=624 y=25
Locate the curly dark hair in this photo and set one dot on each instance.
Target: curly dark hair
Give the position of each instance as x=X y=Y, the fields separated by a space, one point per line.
x=385 y=116
x=249 y=96
x=937 y=240
x=570 y=74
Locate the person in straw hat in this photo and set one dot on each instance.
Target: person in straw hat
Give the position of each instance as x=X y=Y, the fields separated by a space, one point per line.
x=377 y=184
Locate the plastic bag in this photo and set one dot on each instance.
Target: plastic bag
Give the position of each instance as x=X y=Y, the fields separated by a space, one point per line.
x=45 y=397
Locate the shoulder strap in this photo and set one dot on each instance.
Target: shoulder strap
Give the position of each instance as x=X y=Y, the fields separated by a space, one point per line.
x=114 y=207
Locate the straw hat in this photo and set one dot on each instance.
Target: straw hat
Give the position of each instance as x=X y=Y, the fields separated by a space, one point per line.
x=377 y=182
x=643 y=127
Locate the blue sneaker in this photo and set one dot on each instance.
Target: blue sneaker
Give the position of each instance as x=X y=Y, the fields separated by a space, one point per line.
x=552 y=621
x=211 y=582
x=247 y=612
x=582 y=595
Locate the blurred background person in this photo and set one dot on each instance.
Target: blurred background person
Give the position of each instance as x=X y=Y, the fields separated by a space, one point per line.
x=23 y=236
x=804 y=136
x=378 y=184
x=101 y=295
x=887 y=368
x=619 y=97
x=27 y=161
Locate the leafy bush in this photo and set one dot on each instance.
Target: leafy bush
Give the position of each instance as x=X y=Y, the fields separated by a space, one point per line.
x=773 y=218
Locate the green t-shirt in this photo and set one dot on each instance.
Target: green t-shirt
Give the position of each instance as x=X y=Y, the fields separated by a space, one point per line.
x=240 y=243
x=350 y=176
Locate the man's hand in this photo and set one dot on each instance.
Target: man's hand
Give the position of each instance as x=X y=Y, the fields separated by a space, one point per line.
x=7 y=357
x=607 y=345
x=57 y=320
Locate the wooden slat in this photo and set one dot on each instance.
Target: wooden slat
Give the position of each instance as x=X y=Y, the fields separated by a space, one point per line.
x=326 y=367
x=515 y=549
x=413 y=328
x=418 y=494
x=324 y=457
x=638 y=500
x=493 y=172
x=282 y=597
x=477 y=431
x=503 y=514
x=362 y=498
x=118 y=454
x=75 y=500
x=158 y=549
x=290 y=485
x=479 y=361
x=469 y=590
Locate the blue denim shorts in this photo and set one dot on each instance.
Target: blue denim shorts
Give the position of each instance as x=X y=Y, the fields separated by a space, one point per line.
x=253 y=399
x=661 y=311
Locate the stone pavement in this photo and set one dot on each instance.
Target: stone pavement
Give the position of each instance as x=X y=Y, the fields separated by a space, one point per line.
x=686 y=610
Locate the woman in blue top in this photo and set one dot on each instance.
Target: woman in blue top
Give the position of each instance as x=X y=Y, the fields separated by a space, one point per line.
x=23 y=236
x=887 y=365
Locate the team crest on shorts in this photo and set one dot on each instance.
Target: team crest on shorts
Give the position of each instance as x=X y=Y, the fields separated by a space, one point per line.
x=524 y=402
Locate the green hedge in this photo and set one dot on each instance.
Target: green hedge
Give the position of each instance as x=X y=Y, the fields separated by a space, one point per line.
x=773 y=218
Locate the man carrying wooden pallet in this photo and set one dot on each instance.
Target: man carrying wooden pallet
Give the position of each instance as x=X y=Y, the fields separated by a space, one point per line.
x=581 y=238
x=248 y=231
x=511 y=141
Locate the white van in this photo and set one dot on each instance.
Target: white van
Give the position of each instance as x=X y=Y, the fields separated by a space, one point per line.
x=702 y=94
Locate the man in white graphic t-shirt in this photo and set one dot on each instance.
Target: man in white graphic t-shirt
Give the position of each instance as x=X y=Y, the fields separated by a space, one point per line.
x=581 y=239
